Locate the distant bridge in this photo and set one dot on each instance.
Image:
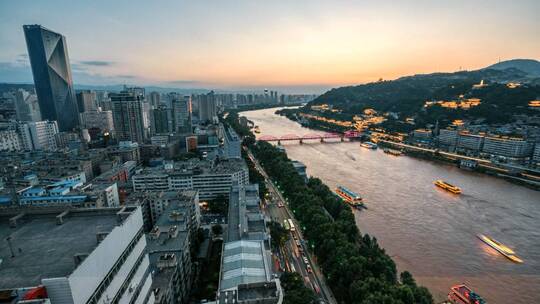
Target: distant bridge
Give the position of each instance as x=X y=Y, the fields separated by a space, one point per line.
x=320 y=137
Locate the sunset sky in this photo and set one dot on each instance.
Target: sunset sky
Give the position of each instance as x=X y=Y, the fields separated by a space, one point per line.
x=291 y=45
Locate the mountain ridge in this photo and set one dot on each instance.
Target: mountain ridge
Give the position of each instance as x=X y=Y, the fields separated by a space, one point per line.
x=529 y=66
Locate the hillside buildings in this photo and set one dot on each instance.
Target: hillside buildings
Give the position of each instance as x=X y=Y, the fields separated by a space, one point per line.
x=517 y=149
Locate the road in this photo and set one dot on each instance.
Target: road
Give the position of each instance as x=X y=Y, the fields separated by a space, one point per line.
x=292 y=255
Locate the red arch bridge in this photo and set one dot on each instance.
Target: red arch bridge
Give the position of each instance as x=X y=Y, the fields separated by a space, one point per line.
x=321 y=137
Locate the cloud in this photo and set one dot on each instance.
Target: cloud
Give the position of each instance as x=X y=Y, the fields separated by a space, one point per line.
x=22 y=60
x=90 y=65
x=126 y=76
x=97 y=62
x=15 y=72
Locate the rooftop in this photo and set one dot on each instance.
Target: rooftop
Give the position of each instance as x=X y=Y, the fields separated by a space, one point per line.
x=198 y=167
x=171 y=231
x=44 y=249
x=244 y=262
x=246 y=222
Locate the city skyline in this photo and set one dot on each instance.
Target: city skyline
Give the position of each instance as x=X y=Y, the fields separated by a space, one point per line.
x=293 y=47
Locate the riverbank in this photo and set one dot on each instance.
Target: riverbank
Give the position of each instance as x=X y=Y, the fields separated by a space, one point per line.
x=262 y=106
x=513 y=174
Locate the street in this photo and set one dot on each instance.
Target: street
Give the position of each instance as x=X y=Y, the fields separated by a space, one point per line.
x=294 y=257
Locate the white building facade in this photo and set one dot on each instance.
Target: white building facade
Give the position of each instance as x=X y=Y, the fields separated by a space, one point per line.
x=116 y=271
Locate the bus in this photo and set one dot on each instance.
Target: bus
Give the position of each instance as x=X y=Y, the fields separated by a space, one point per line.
x=286 y=225
x=291 y=224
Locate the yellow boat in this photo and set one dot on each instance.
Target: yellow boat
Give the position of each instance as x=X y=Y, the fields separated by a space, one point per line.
x=501 y=248
x=448 y=187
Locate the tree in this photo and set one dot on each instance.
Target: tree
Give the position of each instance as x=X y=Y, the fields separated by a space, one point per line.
x=278 y=234
x=217 y=229
x=219 y=205
x=295 y=290
x=407 y=279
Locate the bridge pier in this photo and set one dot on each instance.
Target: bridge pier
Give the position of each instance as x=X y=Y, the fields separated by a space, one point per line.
x=279 y=142
x=301 y=142
x=322 y=139
x=342 y=139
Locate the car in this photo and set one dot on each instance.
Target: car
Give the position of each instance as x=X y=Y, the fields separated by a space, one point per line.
x=280 y=204
x=298 y=243
x=308 y=267
x=306 y=260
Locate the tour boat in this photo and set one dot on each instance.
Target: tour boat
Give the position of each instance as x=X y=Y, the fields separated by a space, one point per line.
x=350 y=197
x=501 y=248
x=448 y=187
x=462 y=294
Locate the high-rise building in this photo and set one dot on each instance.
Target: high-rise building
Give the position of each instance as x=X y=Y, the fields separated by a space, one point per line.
x=39 y=135
x=103 y=100
x=127 y=109
x=155 y=99
x=26 y=106
x=52 y=76
x=181 y=114
x=97 y=119
x=159 y=120
x=136 y=90
x=207 y=107
x=87 y=101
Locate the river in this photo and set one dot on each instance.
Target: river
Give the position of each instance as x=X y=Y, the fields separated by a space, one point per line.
x=426 y=230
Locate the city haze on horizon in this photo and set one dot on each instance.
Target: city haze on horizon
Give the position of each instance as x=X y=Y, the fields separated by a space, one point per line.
x=305 y=46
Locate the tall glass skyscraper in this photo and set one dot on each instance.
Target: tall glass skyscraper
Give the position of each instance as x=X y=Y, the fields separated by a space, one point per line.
x=52 y=76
